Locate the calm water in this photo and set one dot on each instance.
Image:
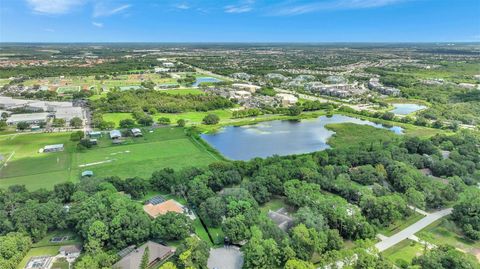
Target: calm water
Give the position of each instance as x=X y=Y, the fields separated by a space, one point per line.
x=405 y=109
x=205 y=79
x=279 y=137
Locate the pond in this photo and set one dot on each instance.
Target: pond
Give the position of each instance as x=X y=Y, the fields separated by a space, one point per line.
x=204 y=79
x=405 y=109
x=279 y=137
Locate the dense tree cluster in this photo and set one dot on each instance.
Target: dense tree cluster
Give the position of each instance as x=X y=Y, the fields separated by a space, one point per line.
x=145 y=100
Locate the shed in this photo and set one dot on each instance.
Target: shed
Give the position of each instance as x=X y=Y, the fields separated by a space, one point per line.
x=115 y=134
x=95 y=134
x=87 y=173
x=53 y=148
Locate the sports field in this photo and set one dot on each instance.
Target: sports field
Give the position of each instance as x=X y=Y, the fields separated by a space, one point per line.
x=163 y=147
x=68 y=89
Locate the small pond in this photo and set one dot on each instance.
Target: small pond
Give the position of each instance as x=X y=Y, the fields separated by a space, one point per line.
x=279 y=137
x=204 y=79
x=405 y=109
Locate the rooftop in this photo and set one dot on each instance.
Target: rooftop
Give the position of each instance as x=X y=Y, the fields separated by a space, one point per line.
x=163 y=208
x=156 y=252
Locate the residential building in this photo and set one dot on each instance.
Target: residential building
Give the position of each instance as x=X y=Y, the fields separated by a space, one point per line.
x=156 y=254
x=155 y=210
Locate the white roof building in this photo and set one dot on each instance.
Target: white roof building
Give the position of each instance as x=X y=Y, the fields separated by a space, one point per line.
x=28 y=117
x=287 y=99
x=248 y=87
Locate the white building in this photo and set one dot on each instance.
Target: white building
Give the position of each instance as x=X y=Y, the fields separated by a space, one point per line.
x=247 y=87
x=168 y=64
x=28 y=118
x=287 y=99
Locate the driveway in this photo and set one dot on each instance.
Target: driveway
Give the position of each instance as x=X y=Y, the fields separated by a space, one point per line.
x=228 y=257
x=412 y=229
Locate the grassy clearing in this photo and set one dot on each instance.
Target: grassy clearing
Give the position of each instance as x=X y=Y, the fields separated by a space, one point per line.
x=274 y=205
x=45 y=242
x=399 y=225
x=445 y=231
x=163 y=147
x=184 y=91
x=348 y=135
x=405 y=250
x=41 y=251
x=195 y=117
x=60 y=264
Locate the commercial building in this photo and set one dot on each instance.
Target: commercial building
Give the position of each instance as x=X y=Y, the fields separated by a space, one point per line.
x=30 y=118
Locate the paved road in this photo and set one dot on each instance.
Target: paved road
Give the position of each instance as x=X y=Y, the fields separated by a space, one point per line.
x=412 y=229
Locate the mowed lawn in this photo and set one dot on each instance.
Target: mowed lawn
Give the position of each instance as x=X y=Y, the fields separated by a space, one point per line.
x=160 y=148
x=405 y=250
x=27 y=166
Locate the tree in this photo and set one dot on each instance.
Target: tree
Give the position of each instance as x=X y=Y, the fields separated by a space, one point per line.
x=4 y=115
x=144 y=261
x=261 y=253
x=415 y=198
x=298 y=264
x=171 y=226
x=164 y=121
x=181 y=123
x=84 y=143
x=77 y=136
x=294 y=110
x=97 y=235
x=76 y=122
x=127 y=123
x=23 y=125
x=13 y=247
x=145 y=120
x=58 y=122
x=212 y=211
x=235 y=228
x=445 y=257
x=466 y=213
x=168 y=265
x=211 y=119
x=307 y=241
x=3 y=125
x=193 y=253
x=64 y=191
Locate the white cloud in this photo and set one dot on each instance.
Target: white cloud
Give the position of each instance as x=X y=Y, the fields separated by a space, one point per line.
x=101 y=10
x=243 y=7
x=182 y=6
x=97 y=24
x=292 y=9
x=54 y=6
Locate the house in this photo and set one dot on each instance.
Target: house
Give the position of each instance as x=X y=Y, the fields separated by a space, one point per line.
x=156 y=254
x=70 y=251
x=53 y=148
x=155 y=210
x=115 y=134
x=136 y=132
x=87 y=173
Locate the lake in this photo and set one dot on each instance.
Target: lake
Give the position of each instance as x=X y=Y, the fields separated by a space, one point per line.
x=204 y=79
x=279 y=137
x=405 y=109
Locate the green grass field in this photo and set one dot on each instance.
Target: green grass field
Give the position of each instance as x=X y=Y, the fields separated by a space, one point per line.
x=405 y=250
x=447 y=232
x=68 y=89
x=183 y=91
x=354 y=135
x=163 y=147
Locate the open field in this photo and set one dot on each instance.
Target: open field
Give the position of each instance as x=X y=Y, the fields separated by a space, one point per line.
x=405 y=250
x=354 y=135
x=446 y=232
x=163 y=147
x=183 y=91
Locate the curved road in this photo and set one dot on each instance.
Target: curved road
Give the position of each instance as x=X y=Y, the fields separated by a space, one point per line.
x=411 y=230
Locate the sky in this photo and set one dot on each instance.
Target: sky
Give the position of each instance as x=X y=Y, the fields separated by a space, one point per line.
x=239 y=21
